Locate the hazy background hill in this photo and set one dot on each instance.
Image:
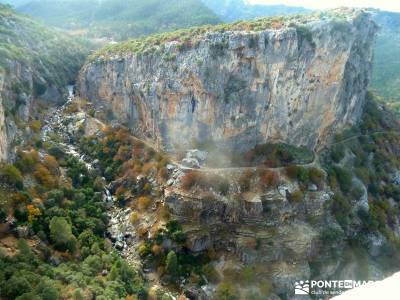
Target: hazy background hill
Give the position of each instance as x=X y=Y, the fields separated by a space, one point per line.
x=119 y=19
x=386 y=75
x=232 y=10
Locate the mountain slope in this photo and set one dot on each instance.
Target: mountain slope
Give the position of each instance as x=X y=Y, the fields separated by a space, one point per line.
x=120 y=19
x=36 y=63
x=386 y=75
x=232 y=10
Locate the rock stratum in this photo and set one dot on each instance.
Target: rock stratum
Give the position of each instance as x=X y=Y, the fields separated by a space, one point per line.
x=295 y=80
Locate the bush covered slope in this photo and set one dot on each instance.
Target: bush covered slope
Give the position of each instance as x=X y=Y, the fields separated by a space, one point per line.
x=36 y=63
x=54 y=55
x=386 y=75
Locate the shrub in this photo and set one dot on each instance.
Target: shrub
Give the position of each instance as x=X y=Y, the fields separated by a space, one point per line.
x=44 y=177
x=337 y=153
x=143 y=202
x=16 y=286
x=341 y=209
x=144 y=249
x=316 y=176
x=297 y=172
x=36 y=125
x=56 y=152
x=344 y=178
x=296 y=196
x=163 y=213
x=11 y=175
x=156 y=250
x=189 y=180
x=134 y=217
x=247 y=275
x=269 y=178
x=220 y=183
x=147 y=188
x=245 y=180
x=331 y=235
x=163 y=173
x=26 y=161
x=171 y=264
x=51 y=164
x=226 y=291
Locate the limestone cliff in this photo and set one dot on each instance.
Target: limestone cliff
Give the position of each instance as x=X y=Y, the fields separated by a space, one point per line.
x=295 y=80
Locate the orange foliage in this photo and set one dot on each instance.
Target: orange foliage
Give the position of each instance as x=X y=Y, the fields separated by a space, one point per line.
x=122 y=153
x=148 y=167
x=44 y=177
x=51 y=164
x=156 y=249
x=268 y=178
x=33 y=212
x=120 y=191
x=137 y=153
x=245 y=180
x=143 y=202
x=163 y=173
x=189 y=180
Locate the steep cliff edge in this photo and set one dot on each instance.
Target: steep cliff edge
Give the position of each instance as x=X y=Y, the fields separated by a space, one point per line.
x=295 y=80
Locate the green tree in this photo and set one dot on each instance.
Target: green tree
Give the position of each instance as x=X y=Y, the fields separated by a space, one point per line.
x=226 y=291
x=12 y=176
x=61 y=234
x=16 y=286
x=171 y=264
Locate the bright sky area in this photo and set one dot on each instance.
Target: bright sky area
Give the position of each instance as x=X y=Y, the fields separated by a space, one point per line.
x=391 y=5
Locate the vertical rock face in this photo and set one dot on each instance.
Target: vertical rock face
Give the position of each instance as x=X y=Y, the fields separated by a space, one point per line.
x=3 y=133
x=296 y=84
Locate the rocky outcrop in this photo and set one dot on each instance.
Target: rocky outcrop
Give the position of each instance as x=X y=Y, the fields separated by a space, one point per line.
x=296 y=84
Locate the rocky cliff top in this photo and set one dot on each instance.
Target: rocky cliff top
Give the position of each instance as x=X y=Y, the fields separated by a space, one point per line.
x=189 y=38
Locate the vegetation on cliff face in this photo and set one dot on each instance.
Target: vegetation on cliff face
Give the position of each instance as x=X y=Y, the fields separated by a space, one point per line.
x=362 y=168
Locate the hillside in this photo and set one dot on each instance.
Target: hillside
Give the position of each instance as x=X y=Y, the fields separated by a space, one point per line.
x=15 y=3
x=386 y=75
x=233 y=10
x=34 y=65
x=120 y=19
